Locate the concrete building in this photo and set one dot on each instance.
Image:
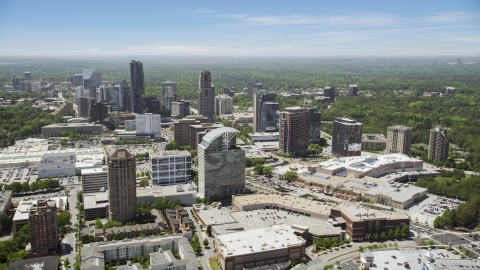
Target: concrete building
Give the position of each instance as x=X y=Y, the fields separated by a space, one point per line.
x=223 y=104
x=352 y=90
x=346 y=137
x=5 y=203
x=181 y=107
x=66 y=108
x=97 y=254
x=329 y=92
x=265 y=111
x=186 y=193
x=399 y=139
x=315 y=128
x=169 y=93
x=371 y=141
x=252 y=89
x=43 y=227
x=94 y=180
x=170 y=167
x=22 y=213
x=55 y=165
x=84 y=105
x=112 y=94
x=54 y=129
x=449 y=91
x=95 y=205
x=438 y=145
x=78 y=79
x=91 y=80
x=198 y=131
x=27 y=75
x=205 y=95
x=149 y=124
x=121 y=185
x=260 y=247
x=294 y=131
x=137 y=85
x=37 y=87
x=42 y=263
x=26 y=86
x=400 y=196
x=181 y=128
x=221 y=166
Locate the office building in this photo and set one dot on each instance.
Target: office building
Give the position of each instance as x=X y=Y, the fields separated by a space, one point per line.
x=100 y=113
x=41 y=263
x=54 y=129
x=36 y=87
x=449 y=91
x=5 y=203
x=181 y=128
x=181 y=107
x=138 y=85
x=221 y=165
x=55 y=165
x=329 y=92
x=94 y=180
x=43 y=227
x=265 y=111
x=315 y=128
x=438 y=144
x=252 y=89
x=78 y=79
x=84 y=105
x=128 y=100
x=155 y=106
x=91 y=80
x=198 y=131
x=223 y=104
x=122 y=193
x=346 y=137
x=169 y=93
x=170 y=167
x=294 y=131
x=205 y=97
x=399 y=140
x=371 y=141
x=352 y=90
x=26 y=86
x=149 y=124
x=95 y=205
x=27 y=75
x=112 y=94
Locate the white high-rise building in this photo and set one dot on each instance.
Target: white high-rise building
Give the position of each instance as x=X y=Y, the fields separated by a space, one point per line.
x=223 y=104
x=148 y=124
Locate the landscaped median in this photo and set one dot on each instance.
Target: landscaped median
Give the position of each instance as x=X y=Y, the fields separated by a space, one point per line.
x=213 y=263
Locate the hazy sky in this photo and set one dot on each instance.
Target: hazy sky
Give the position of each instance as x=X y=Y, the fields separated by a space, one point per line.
x=240 y=28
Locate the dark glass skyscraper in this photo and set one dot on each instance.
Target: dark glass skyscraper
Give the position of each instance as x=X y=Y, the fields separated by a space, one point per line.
x=205 y=95
x=138 y=85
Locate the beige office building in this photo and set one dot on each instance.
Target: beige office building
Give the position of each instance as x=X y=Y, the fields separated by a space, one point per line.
x=121 y=185
x=181 y=128
x=399 y=140
x=294 y=131
x=198 y=131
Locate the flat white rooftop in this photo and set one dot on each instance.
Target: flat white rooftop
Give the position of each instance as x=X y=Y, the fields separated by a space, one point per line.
x=366 y=163
x=398 y=194
x=276 y=237
x=23 y=209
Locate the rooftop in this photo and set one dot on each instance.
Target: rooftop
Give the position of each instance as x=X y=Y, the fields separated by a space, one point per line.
x=95 y=200
x=360 y=213
x=365 y=163
x=23 y=210
x=214 y=216
x=170 y=153
x=398 y=194
x=254 y=241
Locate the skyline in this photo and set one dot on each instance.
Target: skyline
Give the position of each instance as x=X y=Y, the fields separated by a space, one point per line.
x=244 y=29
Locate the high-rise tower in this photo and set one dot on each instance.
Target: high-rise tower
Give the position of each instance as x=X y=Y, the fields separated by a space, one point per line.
x=122 y=191
x=43 y=227
x=294 y=131
x=346 y=137
x=205 y=96
x=169 y=93
x=438 y=144
x=399 y=139
x=138 y=85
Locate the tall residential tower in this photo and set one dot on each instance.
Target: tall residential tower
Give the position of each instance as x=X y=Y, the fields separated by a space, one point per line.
x=43 y=227
x=138 y=85
x=438 y=145
x=346 y=137
x=399 y=139
x=294 y=131
x=205 y=96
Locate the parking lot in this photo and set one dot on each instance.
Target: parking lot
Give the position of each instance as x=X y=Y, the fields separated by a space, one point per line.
x=69 y=181
x=445 y=238
x=431 y=207
x=21 y=175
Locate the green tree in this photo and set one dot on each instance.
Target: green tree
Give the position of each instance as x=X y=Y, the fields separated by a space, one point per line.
x=98 y=223
x=398 y=232
x=205 y=242
x=172 y=146
x=405 y=231
x=267 y=170
x=391 y=233
x=144 y=182
x=117 y=236
x=80 y=196
x=361 y=249
x=63 y=219
x=383 y=235
x=290 y=175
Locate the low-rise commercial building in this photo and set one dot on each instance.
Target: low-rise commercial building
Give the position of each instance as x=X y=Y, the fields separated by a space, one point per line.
x=95 y=205
x=94 y=180
x=396 y=195
x=54 y=165
x=170 y=167
x=181 y=128
x=372 y=141
x=54 y=129
x=185 y=193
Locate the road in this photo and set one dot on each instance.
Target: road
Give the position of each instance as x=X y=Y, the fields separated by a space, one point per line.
x=68 y=243
x=206 y=253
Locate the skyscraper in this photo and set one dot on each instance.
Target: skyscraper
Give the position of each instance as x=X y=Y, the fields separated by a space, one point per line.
x=294 y=131
x=346 y=137
x=315 y=128
x=265 y=111
x=43 y=227
x=138 y=85
x=90 y=83
x=28 y=76
x=399 y=139
x=169 y=93
x=205 y=97
x=438 y=145
x=329 y=92
x=221 y=165
x=352 y=90
x=122 y=193
x=223 y=104
x=84 y=106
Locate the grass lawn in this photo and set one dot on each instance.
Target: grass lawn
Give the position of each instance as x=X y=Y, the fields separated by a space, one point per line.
x=213 y=263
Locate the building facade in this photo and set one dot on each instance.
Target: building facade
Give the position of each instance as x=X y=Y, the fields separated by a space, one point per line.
x=205 y=95
x=198 y=131
x=266 y=111
x=169 y=93
x=148 y=124
x=223 y=104
x=137 y=84
x=181 y=128
x=181 y=107
x=94 y=180
x=315 y=131
x=43 y=227
x=438 y=144
x=399 y=139
x=221 y=166
x=352 y=90
x=346 y=137
x=329 y=92
x=294 y=131
x=122 y=193
x=170 y=167
x=371 y=141
x=84 y=105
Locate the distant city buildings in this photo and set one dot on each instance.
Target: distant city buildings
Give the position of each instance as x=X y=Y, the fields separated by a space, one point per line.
x=449 y=91
x=438 y=145
x=122 y=193
x=221 y=165
x=346 y=137
x=181 y=107
x=84 y=105
x=265 y=111
x=329 y=92
x=43 y=227
x=315 y=128
x=205 y=96
x=198 y=131
x=137 y=85
x=223 y=104
x=399 y=139
x=91 y=80
x=169 y=93
x=252 y=89
x=294 y=131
